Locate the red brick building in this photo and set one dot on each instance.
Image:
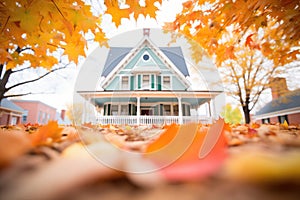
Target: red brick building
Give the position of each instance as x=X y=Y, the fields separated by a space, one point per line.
x=36 y=111
x=10 y=113
x=285 y=105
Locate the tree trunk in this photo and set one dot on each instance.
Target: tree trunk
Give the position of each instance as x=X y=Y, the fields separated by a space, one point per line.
x=3 y=81
x=246 y=113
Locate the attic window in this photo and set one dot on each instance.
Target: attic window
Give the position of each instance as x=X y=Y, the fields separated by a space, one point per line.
x=146 y=57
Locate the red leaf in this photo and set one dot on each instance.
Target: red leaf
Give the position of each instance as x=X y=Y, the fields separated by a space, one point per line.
x=192 y=151
x=249 y=40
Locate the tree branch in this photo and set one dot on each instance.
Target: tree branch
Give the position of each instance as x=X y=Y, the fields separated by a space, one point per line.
x=36 y=79
x=17 y=95
x=24 y=94
x=19 y=70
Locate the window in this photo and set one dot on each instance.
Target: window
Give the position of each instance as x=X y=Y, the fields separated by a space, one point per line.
x=167 y=82
x=283 y=118
x=13 y=121
x=167 y=109
x=124 y=109
x=40 y=116
x=45 y=118
x=114 y=109
x=24 y=118
x=146 y=82
x=265 y=121
x=175 y=110
x=146 y=57
x=125 y=83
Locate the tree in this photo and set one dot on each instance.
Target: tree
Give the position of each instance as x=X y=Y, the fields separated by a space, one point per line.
x=74 y=113
x=218 y=25
x=246 y=77
x=33 y=31
x=232 y=31
x=232 y=115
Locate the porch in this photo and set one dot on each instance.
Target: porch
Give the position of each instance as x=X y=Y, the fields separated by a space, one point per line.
x=148 y=120
x=149 y=107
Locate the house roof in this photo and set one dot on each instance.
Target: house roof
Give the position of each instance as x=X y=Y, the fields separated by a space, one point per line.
x=116 y=55
x=289 y=101
x=7 y=104
x=32 y=101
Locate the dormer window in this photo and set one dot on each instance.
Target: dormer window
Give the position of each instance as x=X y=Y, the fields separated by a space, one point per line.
x=146 y=57
x=167 y=82
x=146 y=82
x=124 y=82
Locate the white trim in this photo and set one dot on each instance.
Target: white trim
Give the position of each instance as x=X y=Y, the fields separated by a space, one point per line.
x=162 y=94
x=278 y=113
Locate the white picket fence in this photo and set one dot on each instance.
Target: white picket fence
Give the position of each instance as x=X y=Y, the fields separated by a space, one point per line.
x=146 y=120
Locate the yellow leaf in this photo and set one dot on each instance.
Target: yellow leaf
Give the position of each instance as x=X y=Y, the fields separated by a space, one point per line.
x=116 y=13
x=285 y=124
x=101 y=39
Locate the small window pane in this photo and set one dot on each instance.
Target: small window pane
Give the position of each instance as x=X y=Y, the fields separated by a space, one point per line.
x=167 y=109
x=175 y=110
x=124 y=109
x=146 y=81
x=125 y=83
x=167 y=82
x=114 y=110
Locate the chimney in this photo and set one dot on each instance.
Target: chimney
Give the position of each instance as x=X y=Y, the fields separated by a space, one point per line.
x=146 y=32
x=278 y=87
x=62 y=114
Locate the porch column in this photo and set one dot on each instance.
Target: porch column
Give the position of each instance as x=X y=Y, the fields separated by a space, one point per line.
x=209 y=109
x=83 y=120
x=213 y=109
x=138 y=110
x=180 y=120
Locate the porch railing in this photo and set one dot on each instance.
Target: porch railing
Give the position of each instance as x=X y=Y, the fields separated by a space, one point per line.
x=145 y=120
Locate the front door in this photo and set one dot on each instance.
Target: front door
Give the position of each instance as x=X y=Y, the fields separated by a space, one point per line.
x=146 y=112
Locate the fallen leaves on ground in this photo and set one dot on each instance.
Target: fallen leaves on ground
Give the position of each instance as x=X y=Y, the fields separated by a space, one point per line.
x=69 y=156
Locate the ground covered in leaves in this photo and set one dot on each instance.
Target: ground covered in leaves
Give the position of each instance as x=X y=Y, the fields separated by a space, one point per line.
x=92 y=162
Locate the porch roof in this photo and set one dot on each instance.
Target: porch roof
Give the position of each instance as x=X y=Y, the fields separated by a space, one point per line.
x=192 y=97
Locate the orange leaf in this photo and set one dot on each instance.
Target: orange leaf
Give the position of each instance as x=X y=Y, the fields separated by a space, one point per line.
x=46 y=134
x=229 y=52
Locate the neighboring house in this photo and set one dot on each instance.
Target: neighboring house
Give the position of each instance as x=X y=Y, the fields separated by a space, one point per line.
x=36 y=111
x=147 y=84
x=10 y=113
x=62 y=119
x=285 y=105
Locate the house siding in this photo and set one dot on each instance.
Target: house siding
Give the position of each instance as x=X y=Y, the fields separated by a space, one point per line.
x=294 y=118
x=37 y=112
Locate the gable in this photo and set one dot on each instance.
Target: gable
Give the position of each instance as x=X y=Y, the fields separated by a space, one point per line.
x=169 y=59
x=117 y=54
